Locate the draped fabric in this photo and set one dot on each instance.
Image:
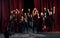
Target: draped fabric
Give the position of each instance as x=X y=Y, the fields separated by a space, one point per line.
x=41 y=4
x=8 y=5
x=0 y=16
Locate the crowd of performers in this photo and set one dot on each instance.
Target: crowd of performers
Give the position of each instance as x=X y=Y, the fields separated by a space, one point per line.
x=36 y=22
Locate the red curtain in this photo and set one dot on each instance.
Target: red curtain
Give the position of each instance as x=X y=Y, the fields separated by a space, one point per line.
x=40 y=4
x=7 y=6
x=37 y=4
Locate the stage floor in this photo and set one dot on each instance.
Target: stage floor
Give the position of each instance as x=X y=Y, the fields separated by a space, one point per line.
x=41 y=35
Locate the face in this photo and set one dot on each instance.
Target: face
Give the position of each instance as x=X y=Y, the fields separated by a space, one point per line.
x=24 y=13
x=16 y=12
x=28 y=9
x=22 y=9
x=42 y=14
x=45 y=9
x=12 y=12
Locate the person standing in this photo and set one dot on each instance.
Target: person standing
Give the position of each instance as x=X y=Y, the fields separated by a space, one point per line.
x=46 y=17
x=38 y=23
x=31 y=22
x=21 y=25
x=25 y=22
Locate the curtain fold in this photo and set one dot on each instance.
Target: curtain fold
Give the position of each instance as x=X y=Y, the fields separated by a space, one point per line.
x=40 y=4
x=9 y=5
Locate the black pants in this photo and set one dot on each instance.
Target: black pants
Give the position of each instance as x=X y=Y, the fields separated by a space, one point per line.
x=26 y=26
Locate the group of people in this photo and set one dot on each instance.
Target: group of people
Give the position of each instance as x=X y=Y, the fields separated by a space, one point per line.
x=21 y=21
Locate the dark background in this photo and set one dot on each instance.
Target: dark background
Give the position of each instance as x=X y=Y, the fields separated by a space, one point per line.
x=28 y=4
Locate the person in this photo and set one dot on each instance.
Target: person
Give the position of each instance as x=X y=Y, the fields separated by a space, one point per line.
x=6 y=33
x=25 y=22
x=28 y=18
x=50 y=19
x=53 y=14
x=11 y=22
x=34 y=23
x=31 y=22
x=21 y=25
x=38 y=23
x=28 y=10
x=46 y=17
x=15 y=13
x=41 y=21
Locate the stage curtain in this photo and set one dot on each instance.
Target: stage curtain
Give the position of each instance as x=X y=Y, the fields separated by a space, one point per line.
x=7 y=6
x=40 y=4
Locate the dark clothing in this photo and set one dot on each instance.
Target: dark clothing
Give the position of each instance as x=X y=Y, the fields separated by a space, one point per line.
x=34 y=23
x=11 y=25
x=30 y=22
x=21 y=27
x=48 y=21
x=6 y=33
x=40 y=24
x=26 y=26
